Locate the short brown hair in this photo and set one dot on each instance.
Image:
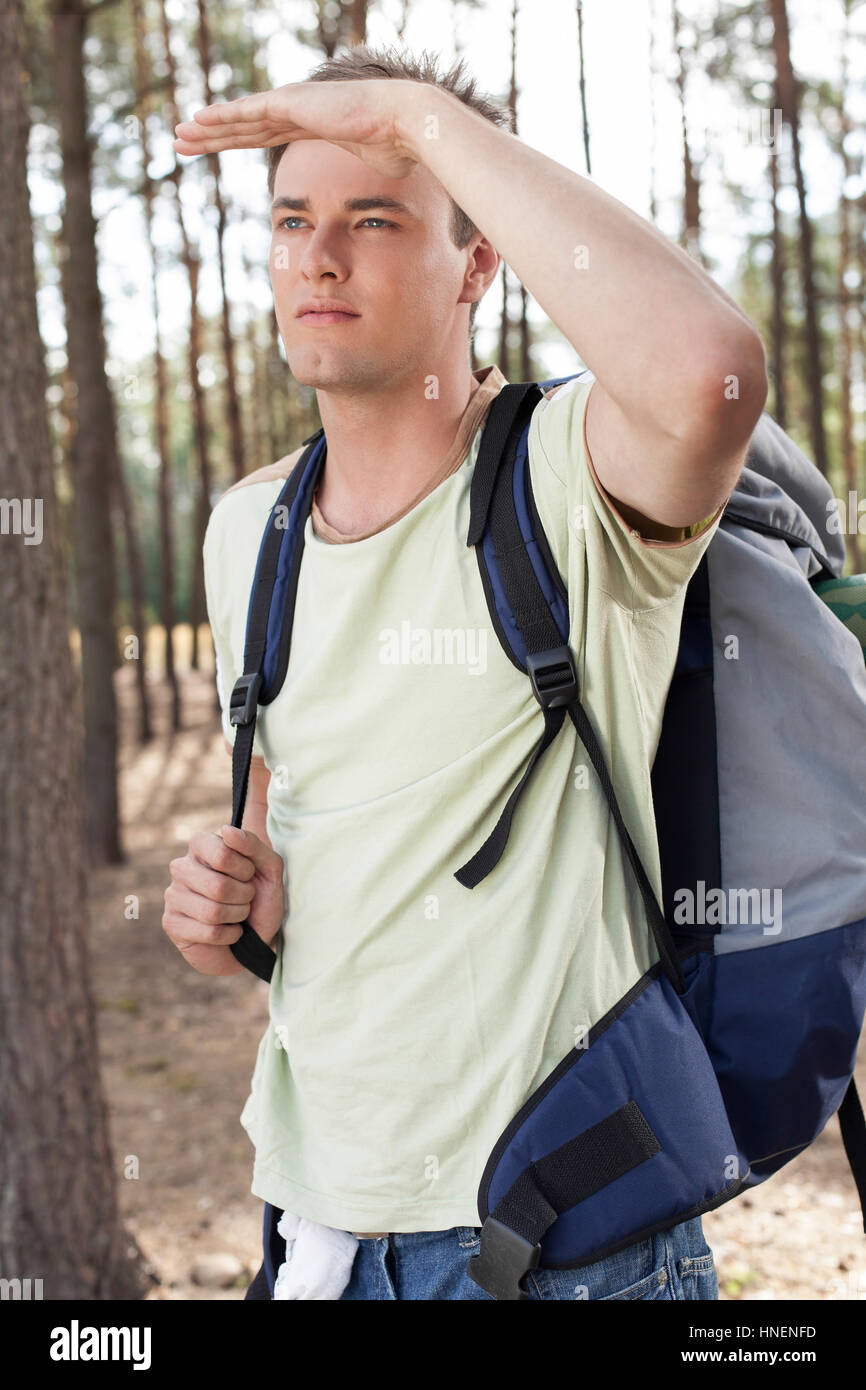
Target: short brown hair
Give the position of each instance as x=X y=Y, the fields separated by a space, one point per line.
x=361 y=61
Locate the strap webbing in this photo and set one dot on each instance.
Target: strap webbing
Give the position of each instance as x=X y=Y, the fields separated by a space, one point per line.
x=576 y=1170
x=492 y=503
x=853 y=1128
x=511 y=1234
x=498 y=441
x=493 y=506
x=658 y=925
x=479 y=866
x=250 y=949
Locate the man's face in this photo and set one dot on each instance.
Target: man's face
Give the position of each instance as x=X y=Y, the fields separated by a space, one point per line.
x=399 y=270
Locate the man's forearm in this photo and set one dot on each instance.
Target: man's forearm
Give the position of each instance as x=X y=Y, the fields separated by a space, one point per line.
x=645 y=318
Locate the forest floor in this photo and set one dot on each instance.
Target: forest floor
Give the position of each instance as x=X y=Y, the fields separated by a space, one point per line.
x=178 y=1050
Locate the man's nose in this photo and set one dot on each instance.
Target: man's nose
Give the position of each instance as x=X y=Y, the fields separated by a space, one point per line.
x=322 y=255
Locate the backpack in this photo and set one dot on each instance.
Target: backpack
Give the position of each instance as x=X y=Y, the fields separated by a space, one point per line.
x=729 y=1056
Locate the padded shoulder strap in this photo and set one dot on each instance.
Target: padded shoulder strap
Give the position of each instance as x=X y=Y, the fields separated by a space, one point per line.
x=266 y=650
x=530 y=617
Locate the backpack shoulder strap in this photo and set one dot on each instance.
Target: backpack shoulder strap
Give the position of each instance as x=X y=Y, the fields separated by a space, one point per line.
x=266 y=649
x=525 y=599
x=853 y=1129
x=523 y=620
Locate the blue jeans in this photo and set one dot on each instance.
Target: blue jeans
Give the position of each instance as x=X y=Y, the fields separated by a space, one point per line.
x=432 y=1265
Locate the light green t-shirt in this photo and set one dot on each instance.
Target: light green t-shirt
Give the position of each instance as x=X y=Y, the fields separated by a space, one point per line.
x=411 y=1017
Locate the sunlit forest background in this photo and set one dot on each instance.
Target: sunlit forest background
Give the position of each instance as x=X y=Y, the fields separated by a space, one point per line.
x=158 y=378
x=178 y=377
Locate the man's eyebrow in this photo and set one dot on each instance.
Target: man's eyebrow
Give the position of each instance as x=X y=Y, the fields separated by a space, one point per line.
x=375 y=200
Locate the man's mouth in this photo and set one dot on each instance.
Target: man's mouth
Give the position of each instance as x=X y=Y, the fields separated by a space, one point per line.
x=329 y=316
x=321 y=309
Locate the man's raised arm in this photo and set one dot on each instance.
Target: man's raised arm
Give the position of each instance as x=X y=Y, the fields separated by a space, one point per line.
x=680 y=370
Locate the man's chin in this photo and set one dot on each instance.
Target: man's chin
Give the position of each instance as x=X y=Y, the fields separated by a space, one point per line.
x=327 y=370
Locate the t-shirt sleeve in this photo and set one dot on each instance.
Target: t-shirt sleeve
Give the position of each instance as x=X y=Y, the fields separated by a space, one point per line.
x=638 y=573
x=227 y=621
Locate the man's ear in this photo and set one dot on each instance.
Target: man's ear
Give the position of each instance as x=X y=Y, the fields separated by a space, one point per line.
x=483 y=267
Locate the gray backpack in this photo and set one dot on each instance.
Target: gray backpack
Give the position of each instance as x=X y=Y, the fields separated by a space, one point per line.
x=729 y=1056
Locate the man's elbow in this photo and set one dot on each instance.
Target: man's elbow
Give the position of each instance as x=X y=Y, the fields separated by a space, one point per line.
x=733 y=389
x=730 y=396
x=727 y=396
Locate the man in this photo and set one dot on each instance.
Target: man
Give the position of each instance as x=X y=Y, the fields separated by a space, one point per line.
x=410 y=1019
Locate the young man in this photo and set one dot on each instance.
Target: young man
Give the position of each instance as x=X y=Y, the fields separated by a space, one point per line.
x=410 y=1018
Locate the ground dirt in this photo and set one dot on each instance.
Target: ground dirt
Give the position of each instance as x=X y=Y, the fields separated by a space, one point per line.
x=178 y=1049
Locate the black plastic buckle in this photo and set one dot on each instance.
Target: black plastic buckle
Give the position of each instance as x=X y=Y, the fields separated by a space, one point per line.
x=502 y=1261
x=553 y=675
x=244 y=696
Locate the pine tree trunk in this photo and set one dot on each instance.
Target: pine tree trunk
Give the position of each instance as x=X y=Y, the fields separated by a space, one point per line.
x=849 y=459
x=789 y=100
x=525 y=368
x=144 y=731
x=328 y=27
x=861 y=266
x=277 y=393
x=191 y=260
x=690 y=237
x=504 y=327
x=777 y=275
x=143 y=78
x=582 y=84
x=259 y=445
x=653 y=203
x=136 y=602
x=358 y=21
x=95 y=452
x=233 y=405
x=60 y=1221
x=525 y=337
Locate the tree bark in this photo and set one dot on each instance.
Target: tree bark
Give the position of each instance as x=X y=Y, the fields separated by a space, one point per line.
x=525 y=368
x=777 y=275
x=504 y=327
x=277 y=393
x=136 y=600
x=95 y=452
x=849 y=459
x=144 y=731
x=328 y=26
x=59 y=1220
x=192 y=262
x=358 y=21
x=582 y=85
x=653 y=203
x=258 y=448
x=160 y=403
x=233 y=406
x=690 y=237
x=861 y=265
x=790 y=105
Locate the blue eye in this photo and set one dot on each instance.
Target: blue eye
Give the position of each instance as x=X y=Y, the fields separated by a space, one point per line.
x=291 y=218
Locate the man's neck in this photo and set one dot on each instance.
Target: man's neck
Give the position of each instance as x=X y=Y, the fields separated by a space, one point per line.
x=383 y=447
